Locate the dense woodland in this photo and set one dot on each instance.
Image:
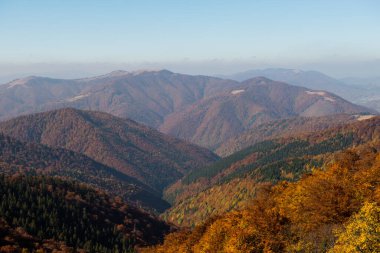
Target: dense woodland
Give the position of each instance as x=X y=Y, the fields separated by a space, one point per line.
x=230 y=183
x=32 y=158
x=133 y=149
x=18 y=240
x=332 y=210
x=74 y=214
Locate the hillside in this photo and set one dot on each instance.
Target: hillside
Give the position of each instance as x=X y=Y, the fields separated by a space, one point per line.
x=336 y=209
x=230 y=183
x=32 y=158
x=214 y=120
x=71 y=214
x=133 y=149
x=284 y=128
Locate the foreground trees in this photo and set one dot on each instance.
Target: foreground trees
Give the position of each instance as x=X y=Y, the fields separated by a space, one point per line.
x=332 y=210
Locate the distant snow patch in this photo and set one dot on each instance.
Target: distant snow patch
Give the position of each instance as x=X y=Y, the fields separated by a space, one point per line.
x=235 y=92
x=364 y=117
x=322 y=94
x=329 y=99
x=78 y=97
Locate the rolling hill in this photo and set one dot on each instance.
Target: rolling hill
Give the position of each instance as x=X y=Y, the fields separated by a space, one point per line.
x=138 y=151
x=18 y=157
x=213 y=120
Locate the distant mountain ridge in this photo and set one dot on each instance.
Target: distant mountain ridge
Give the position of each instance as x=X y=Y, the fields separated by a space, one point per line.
x=213 y=120
x=365 y=92
x=145 y=96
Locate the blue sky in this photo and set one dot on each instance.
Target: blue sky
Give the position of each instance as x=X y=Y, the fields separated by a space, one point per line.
x=208 y=35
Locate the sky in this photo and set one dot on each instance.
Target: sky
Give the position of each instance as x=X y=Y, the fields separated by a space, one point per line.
x=73 y=38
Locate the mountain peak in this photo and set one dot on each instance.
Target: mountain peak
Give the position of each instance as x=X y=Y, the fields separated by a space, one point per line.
x=117 y=73
x=259 y=80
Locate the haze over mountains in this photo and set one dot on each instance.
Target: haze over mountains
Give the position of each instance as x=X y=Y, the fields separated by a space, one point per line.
x=218 y=108
x=118 y=136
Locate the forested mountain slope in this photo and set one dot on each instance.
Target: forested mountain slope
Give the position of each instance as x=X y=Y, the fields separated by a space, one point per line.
x=69 y=212
x=285 y=128
x=133 y=149
x=336 y=209
x=231 y=182
x=35 y=159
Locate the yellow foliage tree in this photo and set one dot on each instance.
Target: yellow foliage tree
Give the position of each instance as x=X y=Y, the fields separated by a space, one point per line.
x=362 y=233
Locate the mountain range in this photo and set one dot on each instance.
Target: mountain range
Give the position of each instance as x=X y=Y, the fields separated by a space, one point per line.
x=144 y=96
x=201 y=109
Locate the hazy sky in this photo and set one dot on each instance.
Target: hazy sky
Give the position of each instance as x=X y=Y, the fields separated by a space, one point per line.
x=340 y=37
